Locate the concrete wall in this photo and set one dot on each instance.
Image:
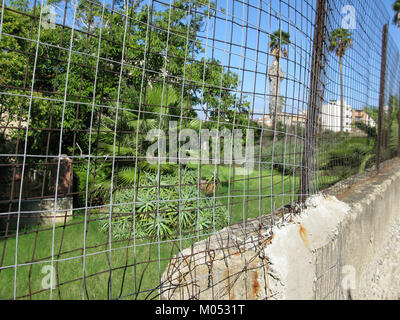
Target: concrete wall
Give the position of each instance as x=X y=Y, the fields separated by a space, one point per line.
x=375 y=210
x=34 y=212
x=333 y=249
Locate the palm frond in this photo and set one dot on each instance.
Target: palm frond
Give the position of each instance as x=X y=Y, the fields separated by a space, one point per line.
x=278 y=39
x=339 y=41
x=126 y=176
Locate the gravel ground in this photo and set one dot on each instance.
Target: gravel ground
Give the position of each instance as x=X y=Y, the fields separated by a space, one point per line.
x=383 y=283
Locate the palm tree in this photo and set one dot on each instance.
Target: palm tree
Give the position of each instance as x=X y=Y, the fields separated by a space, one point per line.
x=160 y=103
x=339 y=41
x=371 y=132
x=278 y=41
x=396 y=8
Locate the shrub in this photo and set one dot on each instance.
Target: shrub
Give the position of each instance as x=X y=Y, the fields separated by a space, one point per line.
x=351 y=153
x=169 y=216
x=285 y=154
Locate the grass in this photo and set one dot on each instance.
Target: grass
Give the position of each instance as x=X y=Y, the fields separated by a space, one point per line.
x=251 y=196
x=134 y=269
x=70 y=269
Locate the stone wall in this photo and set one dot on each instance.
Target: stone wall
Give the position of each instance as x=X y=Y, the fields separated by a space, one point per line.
x=34 y=212
x=38 y=207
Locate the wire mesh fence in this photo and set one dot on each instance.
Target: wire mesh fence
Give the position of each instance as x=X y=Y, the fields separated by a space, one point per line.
x=131 y=130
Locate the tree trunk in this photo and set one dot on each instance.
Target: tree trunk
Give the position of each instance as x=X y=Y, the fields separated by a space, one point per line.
x=275 y=75
x=341 y=95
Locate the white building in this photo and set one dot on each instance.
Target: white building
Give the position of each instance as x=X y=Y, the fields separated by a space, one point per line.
x=330 y=116
x=287 y=119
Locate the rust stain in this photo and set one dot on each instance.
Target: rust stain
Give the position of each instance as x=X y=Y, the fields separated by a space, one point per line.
x=268 y=241
x=303 y=235
x=256 y=285
x=228 y=278
x=267 y=278
x=230 y=288
x=232 y=296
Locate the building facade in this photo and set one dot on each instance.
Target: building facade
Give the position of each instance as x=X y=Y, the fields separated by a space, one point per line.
x=330 y=116
x=363 y=117
x=287 y=119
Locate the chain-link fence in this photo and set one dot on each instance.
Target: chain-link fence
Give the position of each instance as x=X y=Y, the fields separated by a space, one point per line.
x=131 y=130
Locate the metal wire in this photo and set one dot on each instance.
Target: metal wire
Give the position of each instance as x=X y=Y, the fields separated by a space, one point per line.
x=92 y=92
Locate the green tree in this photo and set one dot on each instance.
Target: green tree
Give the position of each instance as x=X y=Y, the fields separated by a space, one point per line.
x=396 y=9
x=169 y=62
x=130 y=138
x=21 y=5
x=217 y=95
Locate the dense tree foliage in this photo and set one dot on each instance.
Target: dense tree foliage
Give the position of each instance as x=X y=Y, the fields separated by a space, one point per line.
x=158 y=46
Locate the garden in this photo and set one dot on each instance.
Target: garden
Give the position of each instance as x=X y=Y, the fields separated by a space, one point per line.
x=130 y=216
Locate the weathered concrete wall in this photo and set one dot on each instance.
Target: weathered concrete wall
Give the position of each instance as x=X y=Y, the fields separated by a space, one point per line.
x=375 y=210
x=34 y=212
x=308 y=255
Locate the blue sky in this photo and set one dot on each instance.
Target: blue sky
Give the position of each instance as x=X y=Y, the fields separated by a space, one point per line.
x=393 y=29
x=361 y=66
x=251 y=27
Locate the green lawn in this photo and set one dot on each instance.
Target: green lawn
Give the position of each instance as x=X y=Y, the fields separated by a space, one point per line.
x=139 y=270
x=251 y=196
x=69 y=272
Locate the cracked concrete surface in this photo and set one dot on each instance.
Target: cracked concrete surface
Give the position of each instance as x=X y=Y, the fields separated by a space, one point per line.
x=382 y=280
x=303 y=256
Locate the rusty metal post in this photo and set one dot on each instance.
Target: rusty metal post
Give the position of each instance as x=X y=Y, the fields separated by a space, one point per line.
x=315 y=98
x=398 y=123
x=381 y=97
x=388 y=134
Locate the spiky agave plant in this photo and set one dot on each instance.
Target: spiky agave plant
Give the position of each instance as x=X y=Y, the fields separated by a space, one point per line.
x=178 y=210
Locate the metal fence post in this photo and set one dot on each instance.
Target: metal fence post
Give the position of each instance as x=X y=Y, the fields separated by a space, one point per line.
x=381 y=97
x=398 y=123
x=316 y=92
x=389 y=122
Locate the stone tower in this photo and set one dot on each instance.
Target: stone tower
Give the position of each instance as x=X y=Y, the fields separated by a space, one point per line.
x=275 y=76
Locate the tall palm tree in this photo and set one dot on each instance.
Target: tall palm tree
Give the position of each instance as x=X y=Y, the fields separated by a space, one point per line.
x=340 y=40
x=396 y=8
x=277 y=45
x=278 y=40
